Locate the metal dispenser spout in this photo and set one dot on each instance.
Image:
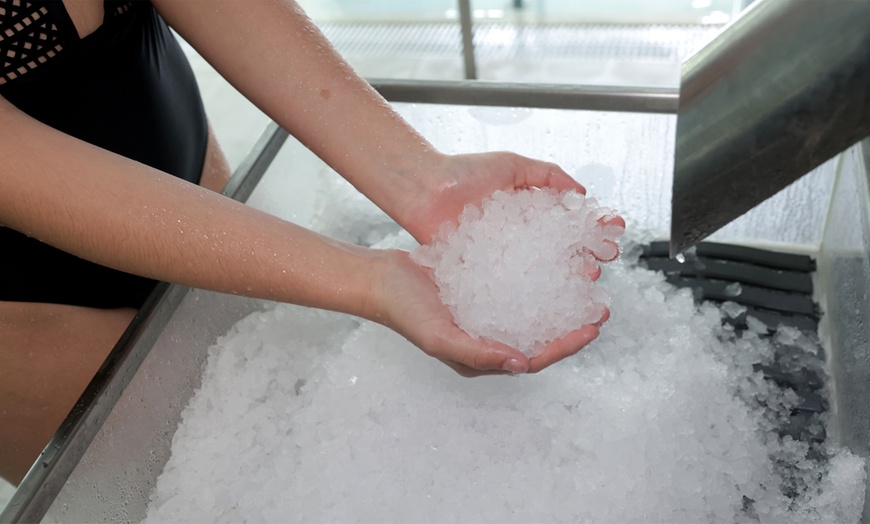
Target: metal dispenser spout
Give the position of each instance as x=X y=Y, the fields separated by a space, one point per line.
x=780 y=91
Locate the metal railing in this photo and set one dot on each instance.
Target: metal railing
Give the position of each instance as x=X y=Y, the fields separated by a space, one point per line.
x=550 y=96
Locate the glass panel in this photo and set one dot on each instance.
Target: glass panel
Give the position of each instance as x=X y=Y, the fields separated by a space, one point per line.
x=844 y=271
x=844 y=276
x=793 y=219
x=624 y=159
x=535 y=11
x=628 y=11
x=628 y=42
x=6 y=492
x=380 y=10
x=114 y=478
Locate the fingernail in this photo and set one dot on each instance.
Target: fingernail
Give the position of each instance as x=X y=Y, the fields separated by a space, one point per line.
x=514 y=366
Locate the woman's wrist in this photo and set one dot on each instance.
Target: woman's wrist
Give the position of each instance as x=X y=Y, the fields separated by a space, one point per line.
x=346 y=279
x=411 y=187
x=373 y=307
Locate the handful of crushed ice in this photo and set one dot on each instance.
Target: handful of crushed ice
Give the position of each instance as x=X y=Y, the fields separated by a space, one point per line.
x=516 y=270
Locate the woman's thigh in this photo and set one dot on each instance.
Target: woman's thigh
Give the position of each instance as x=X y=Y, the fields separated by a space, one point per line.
x=48 y=355
x=216 y=171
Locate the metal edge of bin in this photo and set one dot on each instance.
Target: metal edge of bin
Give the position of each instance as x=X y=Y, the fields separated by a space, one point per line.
x=543 y=96
x=865 y=144
x=41 y=485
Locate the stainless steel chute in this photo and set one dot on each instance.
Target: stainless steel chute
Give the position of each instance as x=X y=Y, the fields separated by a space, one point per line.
x=780 y=91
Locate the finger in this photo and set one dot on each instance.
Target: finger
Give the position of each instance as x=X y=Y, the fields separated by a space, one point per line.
x=590 y=267
x=562 y=181
x=607 y=251
x=613 y=220
x=478 y=354
x=547 y=174
x=468 y=372
x=563 y=348
x=610 y=252
x=604 y=317
x=595 y=272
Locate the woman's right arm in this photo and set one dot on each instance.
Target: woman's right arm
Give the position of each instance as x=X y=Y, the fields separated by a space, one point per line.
x=119 y=213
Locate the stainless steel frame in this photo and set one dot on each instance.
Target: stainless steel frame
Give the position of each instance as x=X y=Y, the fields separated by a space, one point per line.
x=466 y=24
x=551 y=96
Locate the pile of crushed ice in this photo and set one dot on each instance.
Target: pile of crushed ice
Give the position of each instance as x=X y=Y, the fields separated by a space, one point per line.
x=311 y=416
x=545 y=244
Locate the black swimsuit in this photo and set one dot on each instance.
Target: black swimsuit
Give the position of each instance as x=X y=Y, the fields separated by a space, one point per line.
x=127 y=88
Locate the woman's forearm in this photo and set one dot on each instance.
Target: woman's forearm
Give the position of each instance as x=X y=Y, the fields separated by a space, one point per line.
x=122 y=214
x=275 y=55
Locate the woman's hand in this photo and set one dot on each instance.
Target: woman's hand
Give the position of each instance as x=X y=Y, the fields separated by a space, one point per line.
x=408 y=303
x=458 y=180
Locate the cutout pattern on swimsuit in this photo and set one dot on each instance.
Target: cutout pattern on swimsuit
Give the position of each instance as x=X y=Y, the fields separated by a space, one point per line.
x=28 y=38
x=33 y=32
x=121 y=7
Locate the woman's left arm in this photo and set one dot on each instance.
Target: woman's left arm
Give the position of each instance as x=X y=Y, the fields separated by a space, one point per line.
x=275 y=55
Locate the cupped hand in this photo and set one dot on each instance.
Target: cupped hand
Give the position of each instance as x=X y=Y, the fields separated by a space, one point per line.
x=459 y=180
x=408 y=303
x=414 y=308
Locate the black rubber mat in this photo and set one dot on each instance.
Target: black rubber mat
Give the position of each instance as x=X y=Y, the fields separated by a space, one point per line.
x=751 y=255
x=777 y=290
x=791 y=281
